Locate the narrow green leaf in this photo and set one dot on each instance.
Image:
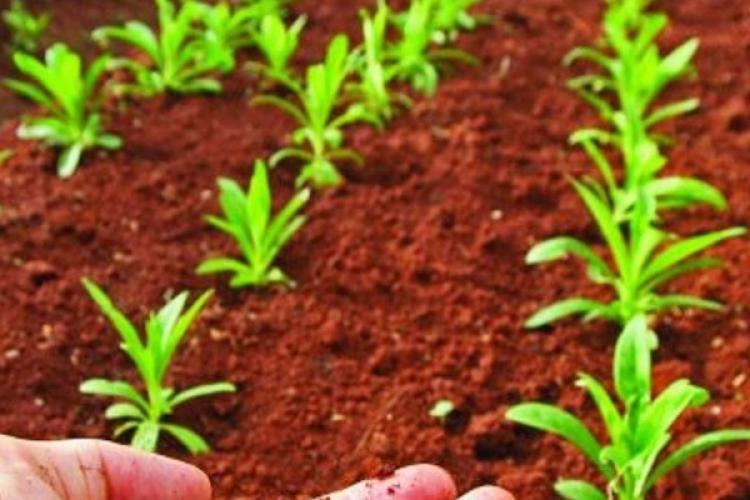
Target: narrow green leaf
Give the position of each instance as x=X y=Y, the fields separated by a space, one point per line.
x=69 y=160
x=556 y=248
x=125 y=427
x=695 y=447
x=607 y=409
x=124 y=410
x=202 y=391
x=561 y=309
x=124 y=327
x=114 y=388
x=632 y=365
x=677 y=192
x=192 y=441
x=181 y=327
x=687 y=248
x=578 y=490
x=662 y=413
x=607 y=225
x=672 y=110
x=222 y=265
x=681 y=301
x=552 y=419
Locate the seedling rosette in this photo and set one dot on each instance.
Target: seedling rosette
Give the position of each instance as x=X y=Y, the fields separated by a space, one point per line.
x=277 y=43
x=26 y=29
x=259 y=234
x=144 y=415
x=320 y=127
x=182 y=60
x=374 y=72
x=68 y=94
x=452 y=16
x=413 y=55
x=634 y=460
x=226 y=29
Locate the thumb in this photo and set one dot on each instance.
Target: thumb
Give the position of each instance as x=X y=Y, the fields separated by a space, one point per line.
x=97 y=470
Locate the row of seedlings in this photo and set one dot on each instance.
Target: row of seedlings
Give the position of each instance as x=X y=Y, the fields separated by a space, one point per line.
x=193 y=44
x=628 y=211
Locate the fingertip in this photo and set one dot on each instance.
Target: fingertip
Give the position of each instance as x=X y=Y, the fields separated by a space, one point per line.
x=429 y=479
x=415 y=482
x=488 y=493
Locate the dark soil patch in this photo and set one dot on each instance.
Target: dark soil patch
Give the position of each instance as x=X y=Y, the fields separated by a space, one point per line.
x=412 y=286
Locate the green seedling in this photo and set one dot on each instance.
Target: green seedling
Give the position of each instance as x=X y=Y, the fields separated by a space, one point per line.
x=373 y=72
x=635 y=75
x=259 y=234
x=144 y=415
x=320 y=126
x=645 y=259
x=26 y=29
x=442 y=409
x=628 y=212
x=452 y=16
x=181 y=60
x=413 y=55
x=68 y=95
x=277 y=44
x=226 y=29
x=634 y=460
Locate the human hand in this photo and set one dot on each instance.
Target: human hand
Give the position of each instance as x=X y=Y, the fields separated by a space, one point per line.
x=98 y=470
x=94 y=470
x=416 y=482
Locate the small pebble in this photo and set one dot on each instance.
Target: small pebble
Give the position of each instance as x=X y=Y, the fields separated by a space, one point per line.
x=217 y=334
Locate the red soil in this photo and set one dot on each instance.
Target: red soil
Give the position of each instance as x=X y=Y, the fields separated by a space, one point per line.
x=412 y=286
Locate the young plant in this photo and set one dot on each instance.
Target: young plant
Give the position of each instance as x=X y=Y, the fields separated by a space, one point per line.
x=320 y=127
x=645 y=259
x=181 y=60
x=639 y=430
x=635 y=74
x=414 y=57
x=373 y=72
x=225 y=30
x=277 y=44
x=259 y=234
x=26 y=29
x=68 y=95
x=628 y=213
x=442 y=409
x=451 y=16
x=145 y=416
